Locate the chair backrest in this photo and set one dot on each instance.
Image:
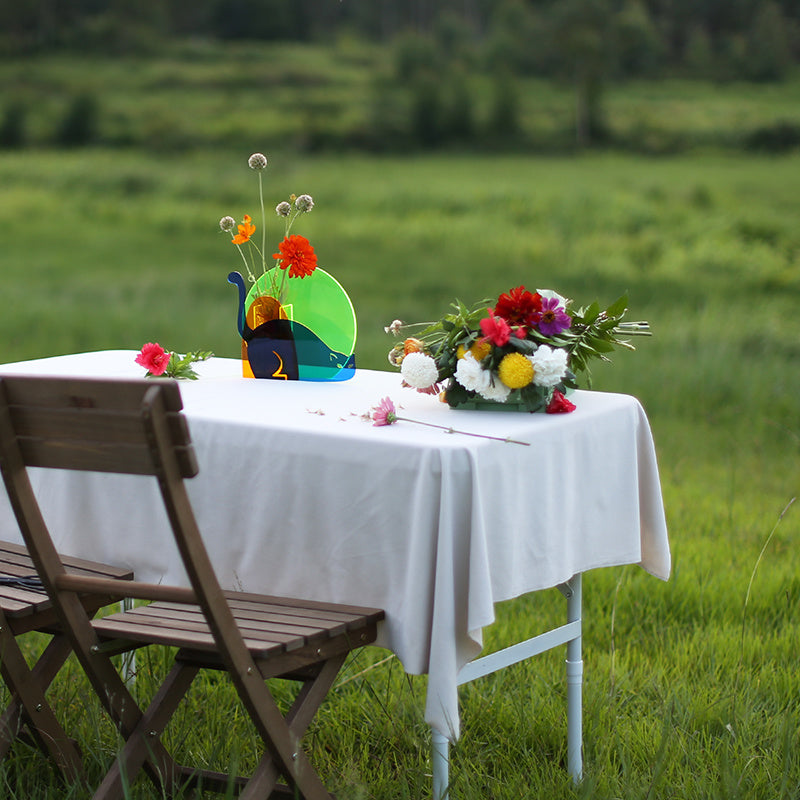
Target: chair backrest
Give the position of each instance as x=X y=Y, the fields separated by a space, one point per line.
x=121 y=426
x=93 y=424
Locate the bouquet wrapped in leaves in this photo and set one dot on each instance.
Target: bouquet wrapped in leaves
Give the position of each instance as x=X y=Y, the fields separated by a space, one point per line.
x=526 y=351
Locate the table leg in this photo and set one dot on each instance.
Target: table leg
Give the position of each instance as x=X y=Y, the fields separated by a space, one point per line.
x=441 y=764
x=569 y=634
x=574 y=666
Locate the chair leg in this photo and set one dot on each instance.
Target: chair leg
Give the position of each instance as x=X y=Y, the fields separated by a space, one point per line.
x=44 y=671
x=298 y=718
x=29 y=704
x=142 y=749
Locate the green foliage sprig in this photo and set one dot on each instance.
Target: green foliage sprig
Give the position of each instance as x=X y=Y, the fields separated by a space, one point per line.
x=180 y=366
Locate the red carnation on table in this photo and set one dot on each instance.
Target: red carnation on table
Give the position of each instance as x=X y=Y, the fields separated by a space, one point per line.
x=154 y=358
x=559 y=404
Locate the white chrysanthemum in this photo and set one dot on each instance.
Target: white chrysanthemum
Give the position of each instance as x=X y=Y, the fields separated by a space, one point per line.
x=470 y=374
x=495 y=389
x=549 y=365
x=419 y=370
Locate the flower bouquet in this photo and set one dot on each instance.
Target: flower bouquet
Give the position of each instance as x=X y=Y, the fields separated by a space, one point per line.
x=524 y=352
x=295 y=320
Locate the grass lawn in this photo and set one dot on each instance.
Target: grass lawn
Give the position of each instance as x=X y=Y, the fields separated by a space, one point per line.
x=692 y=687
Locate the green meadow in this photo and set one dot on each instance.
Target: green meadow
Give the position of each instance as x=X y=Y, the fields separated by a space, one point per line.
x=692 y=687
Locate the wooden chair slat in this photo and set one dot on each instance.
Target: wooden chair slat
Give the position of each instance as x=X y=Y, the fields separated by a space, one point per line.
x=100 y=456
x=173 y=631
x=255 y=628
x=18 y=560
x=171 y=636
x=120 y=427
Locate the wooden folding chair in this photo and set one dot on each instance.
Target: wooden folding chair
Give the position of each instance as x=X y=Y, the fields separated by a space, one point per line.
x=25 y=607
x=136 y=427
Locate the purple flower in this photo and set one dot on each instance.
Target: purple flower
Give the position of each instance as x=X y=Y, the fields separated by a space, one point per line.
x=553 y=319
x=384 y=413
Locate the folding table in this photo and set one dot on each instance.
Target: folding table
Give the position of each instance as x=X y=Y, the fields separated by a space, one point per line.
x=431 y=525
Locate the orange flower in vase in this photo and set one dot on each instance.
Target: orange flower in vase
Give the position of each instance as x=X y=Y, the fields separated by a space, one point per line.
x=246 y=230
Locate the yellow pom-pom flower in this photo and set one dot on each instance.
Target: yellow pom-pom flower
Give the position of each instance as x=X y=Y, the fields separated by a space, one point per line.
x=479 y=350
x=515 y=370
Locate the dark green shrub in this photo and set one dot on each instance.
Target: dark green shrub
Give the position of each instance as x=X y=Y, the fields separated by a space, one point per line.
x=457 y=114
x=79 y=125
x=426 y=112
x=504 y=122
x=780 y=137
x=12 y=129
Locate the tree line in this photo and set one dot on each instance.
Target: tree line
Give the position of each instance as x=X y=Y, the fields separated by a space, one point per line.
x=721 y=39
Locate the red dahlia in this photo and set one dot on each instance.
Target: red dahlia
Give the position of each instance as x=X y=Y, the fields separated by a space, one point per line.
x=519 y=307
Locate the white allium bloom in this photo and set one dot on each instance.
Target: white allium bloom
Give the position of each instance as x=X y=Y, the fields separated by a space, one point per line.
x=471 y=375
x=257 y=161
x=305 y=202
x=283 y=209
x=419 y=370
x=549 y=365
x=227 y=223
x=495 y=389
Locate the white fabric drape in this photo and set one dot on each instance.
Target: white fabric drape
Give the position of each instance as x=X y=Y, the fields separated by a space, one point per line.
x=299 y=495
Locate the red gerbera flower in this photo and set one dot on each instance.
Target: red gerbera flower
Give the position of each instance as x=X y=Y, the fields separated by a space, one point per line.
x=297 y=255
x=519 y=307
x=495 y=329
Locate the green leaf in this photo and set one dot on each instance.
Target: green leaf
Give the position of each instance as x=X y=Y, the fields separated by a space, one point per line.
x=602 y=346
x=589 y=315
x=618 y=307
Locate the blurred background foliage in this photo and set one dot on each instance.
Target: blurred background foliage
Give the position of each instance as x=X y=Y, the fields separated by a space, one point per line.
x=382 y=76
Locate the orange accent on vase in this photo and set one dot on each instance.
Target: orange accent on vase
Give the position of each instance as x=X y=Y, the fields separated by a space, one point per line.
x=278 y=372
x=262 y=309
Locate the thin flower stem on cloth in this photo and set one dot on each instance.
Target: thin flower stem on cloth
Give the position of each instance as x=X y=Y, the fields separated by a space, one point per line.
x=464 y=433
x=385 y=413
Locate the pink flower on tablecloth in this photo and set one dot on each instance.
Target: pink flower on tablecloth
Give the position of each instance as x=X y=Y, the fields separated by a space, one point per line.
x=559 y=404
x=384 y=413
x=154 y=358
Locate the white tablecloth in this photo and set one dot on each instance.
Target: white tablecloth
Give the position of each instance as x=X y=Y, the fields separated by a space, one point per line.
x=298 y=494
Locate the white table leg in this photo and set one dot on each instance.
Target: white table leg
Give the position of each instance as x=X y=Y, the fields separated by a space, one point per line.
x=569 y=634
x=441 y=765
x=574 y=665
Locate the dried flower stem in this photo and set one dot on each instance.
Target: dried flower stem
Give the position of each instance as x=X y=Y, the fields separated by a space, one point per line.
x=263 y=222
x=447 y=429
